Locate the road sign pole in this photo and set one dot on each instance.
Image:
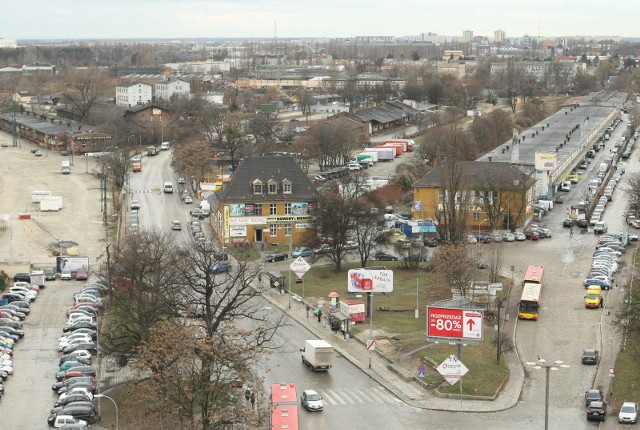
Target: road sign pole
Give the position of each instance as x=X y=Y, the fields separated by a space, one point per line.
x=370 y=325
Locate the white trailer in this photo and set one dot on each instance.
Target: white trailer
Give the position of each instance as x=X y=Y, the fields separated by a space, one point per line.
x=36 y=196
x=50 y=204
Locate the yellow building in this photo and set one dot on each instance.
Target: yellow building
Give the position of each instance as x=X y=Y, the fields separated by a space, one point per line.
x=476 y=195
x=269 y=200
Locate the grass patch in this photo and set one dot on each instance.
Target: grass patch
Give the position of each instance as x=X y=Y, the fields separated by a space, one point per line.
x=627 y=379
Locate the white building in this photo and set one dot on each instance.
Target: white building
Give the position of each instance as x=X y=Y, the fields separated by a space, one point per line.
x=8 y=43
x=167 y=88
x=133 y=93
x=467 y=36
x=499 y=36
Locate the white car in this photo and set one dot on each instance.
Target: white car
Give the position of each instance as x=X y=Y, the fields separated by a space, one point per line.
x=64 y=343
x=628 y=413
x=520 y=237
x=354 y=166
x=31 y=295
x=75 y=336
x=78 y=390
x=509 y=237
x=73 y=317
x=82 y=353
x=65 y=274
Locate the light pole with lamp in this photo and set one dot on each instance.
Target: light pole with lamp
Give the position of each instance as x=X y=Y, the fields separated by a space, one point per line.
x=481 y=222
x=99 y=396
x=541 y=363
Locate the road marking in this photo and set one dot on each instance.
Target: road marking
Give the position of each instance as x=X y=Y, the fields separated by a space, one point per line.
x=338 y=399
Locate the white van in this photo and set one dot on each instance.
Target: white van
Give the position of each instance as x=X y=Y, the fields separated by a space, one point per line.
x=164 y=146
x=167 y=187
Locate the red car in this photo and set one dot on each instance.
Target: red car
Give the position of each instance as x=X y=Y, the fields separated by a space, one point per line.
x=531 y=235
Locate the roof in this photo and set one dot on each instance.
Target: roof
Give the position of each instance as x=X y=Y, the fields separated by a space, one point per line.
x=389 y=112
x=131 y=84
x=276 y=167
x=138 y=108
x=476 y=174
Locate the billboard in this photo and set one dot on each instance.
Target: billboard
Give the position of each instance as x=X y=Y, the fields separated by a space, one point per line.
x=370 y=281
x=454 y=323
x=545 y=161
x=73 y=263
x=237 y=209
x=299 y=208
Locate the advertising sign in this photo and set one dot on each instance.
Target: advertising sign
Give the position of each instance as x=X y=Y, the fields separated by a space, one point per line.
x=299 y=208
x=73 y=263
x=300 y=267
x=545 y=161
x=452 y=369
x=371 y=281
x=454 y=323
x=237 y=209
x=238 y=230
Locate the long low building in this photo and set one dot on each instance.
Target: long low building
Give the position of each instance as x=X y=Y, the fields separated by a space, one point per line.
x=553 y=146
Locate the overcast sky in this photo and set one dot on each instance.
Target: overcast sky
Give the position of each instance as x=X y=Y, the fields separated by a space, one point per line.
x=81 y=19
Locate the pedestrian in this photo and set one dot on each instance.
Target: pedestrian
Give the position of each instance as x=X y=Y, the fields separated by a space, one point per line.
x=571 y=232
x=253 y=400
x=262 y=244
x=319 y=315
x=602 y=302
x=307 y=308
x=247 y=395
x=260 y=277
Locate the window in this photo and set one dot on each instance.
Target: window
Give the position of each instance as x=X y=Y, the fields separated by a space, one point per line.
x=476 y=216
x=286 y=187
x=273 y=209
x=273 y=230
x=287 y=209
x=257 y=187
x=288 y=229
x=273 y=187
x=258 y=209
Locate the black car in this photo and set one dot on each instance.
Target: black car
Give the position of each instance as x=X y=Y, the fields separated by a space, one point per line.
x=593 y=395
x=49 y=274
x=80 y=411
x=596 y=411
x=276 y=256
x=79 y=324
x=74 y=399
x=590 y=356
x=583 y=223
x=568 y=222
x=22 y=277
x=385 y=256
x=416 y=257
x=431 y=242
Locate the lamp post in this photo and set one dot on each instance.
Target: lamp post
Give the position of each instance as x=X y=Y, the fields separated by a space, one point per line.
x=99 y=396
x=481 y=222
x=541 y=363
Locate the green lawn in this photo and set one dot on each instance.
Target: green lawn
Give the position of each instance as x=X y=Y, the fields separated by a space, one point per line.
x=405 y=331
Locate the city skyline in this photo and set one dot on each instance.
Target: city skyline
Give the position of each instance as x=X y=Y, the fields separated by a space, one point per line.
x=117 y=19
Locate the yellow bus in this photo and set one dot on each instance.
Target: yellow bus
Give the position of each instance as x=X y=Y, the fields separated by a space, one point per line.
x=529 y=306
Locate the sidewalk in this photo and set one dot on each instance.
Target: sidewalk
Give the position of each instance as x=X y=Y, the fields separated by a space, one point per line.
x=409 y=390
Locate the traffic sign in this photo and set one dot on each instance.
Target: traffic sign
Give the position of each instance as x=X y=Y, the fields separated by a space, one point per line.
x=299 y=267
x=611 y=372
x=452 y=369
x=454 y=323
x=371 y=345
x=421 y=375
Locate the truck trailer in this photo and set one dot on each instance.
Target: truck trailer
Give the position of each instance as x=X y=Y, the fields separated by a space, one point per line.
x=373 y=154
x=409 y=142
x=317 y=354
x=397 y=149
x=384 y=153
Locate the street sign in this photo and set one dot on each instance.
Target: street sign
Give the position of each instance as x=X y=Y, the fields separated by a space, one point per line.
x=454 y=323
x=611 y=372
x=299 y=267
x=421 y=375
x=371 y=345
x=452 y=369
x=422 y=371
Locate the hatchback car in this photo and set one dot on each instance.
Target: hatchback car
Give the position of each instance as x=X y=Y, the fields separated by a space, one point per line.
x=311 y=400
x=220 y=267
x=302 y=252
x=628 y=413
x=49 y=274
x=590 y=356
x=65 y=274
x=176 y=225
x=276 y=256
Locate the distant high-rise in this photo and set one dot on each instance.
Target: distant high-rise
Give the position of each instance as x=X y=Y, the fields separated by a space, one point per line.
x=467 y=36
x=499 y=36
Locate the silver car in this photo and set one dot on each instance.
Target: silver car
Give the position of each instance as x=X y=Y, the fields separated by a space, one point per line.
x=311 y=400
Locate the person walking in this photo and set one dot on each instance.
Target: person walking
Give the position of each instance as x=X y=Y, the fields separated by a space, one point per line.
x=253 y=400
x=247 y=395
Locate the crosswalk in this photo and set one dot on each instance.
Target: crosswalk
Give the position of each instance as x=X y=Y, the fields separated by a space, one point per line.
x=337 y=397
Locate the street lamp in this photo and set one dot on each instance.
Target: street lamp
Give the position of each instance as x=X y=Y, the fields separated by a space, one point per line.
x=541 y=363
x=480 y=225
x=99 y=396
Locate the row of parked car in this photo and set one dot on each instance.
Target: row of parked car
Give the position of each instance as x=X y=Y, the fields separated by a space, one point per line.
x=76 y=383
x=15 y=305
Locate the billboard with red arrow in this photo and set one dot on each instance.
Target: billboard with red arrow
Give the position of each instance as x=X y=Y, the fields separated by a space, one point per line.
x=454 y=323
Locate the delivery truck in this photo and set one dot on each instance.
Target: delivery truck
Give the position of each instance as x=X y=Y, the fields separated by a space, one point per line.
x=402 y=146
x=66 y=167
x=384 y=153
x=37 y=278
x=397 y=150
x=364 y=159
x=317 y=354
x=409 y=142
x=397 y=142
x=373 y=154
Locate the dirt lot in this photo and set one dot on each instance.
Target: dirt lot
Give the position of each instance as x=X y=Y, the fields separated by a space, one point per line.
x=24 y=241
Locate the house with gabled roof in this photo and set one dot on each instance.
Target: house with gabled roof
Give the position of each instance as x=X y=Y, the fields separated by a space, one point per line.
x=268 y=200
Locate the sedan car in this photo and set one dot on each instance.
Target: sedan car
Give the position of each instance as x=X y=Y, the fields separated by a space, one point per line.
x=135 y=205
x=176 y=225
x=311 y=400
x=568 y=222
x=596 y=411
x=520 y=237
x=531 y=235
x=385 y=256
x=593 y=395
x=590 y=356
x=220 y=267
x=302 y=252
x=276 y=256
x=628 y=413
x=187 y=199
x=49 y=274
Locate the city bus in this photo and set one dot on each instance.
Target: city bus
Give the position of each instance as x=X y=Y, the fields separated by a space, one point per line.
x=529 y=305
x=284 y=406
x=533 y=274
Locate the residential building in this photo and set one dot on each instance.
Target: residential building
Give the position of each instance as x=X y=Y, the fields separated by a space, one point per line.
x=499 y=36
x=483 y=194
x=133 y=93
x=467 y=36
x=168 y=88
x=269 y=200
x=8 y=43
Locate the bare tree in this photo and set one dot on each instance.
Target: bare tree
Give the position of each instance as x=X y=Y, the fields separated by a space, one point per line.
x=330 y=143
x=455 y=264
x=83 y=90
x=191 y=157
